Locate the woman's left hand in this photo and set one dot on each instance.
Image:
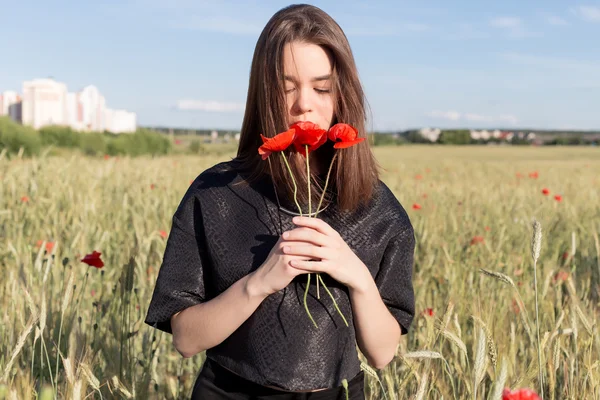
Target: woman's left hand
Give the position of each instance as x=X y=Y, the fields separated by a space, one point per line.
x=331 y=253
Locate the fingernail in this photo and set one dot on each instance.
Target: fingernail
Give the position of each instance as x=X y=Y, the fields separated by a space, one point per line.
x=285 y=235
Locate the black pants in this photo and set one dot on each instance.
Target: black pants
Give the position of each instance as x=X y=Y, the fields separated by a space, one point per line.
x=217 y=383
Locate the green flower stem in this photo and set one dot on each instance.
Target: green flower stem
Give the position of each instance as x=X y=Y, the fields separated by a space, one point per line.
x=306 y=304
x=326 y=183
x=319 y=207
x=334 y=302
x=309 y=212
x=293 y=181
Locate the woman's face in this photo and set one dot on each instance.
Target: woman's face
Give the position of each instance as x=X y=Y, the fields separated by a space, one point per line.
x=307 y=73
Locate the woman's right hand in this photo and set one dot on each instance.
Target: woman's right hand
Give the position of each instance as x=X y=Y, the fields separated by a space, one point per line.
x=276 y=272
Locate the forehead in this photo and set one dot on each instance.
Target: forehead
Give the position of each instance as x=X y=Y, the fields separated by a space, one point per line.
x=304 y=61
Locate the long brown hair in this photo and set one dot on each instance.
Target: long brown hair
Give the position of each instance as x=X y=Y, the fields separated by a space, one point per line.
x=355 y=173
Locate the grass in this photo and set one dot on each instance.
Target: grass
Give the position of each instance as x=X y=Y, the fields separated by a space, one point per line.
x=75 y=331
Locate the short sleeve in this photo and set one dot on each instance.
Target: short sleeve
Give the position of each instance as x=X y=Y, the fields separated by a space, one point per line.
x=394 y=278
x=181 y=279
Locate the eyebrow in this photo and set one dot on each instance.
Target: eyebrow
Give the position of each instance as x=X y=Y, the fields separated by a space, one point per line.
x=315 y=79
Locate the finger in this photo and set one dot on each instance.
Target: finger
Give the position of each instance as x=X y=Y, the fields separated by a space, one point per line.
x=309 y=266
x=307 y=251
x=307 y=235
x=315 y=223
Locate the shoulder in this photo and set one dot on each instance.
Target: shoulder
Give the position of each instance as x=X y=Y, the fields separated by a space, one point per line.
x=216 y=176
x=203 y=188
x=387 y=209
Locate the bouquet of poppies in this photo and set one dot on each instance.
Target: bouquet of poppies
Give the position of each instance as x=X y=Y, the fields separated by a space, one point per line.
x=306 y=137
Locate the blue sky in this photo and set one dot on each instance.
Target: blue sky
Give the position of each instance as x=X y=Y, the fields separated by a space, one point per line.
x=185 y=63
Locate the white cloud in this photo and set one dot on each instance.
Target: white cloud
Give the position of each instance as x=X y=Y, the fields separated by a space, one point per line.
x=472 y=117
x=447 y=115
x=506 y=22
x=587 y=13
x=208 y=105
x=224 y=24
x=567 y=64
x=513 y=27
x=557 y=21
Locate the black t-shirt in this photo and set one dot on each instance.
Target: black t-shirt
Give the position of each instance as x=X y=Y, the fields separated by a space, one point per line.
x=224 y=229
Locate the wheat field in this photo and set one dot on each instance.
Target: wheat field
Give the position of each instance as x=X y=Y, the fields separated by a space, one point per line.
x=74 y=331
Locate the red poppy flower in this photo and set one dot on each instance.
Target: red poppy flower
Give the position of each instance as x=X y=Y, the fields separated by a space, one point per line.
x=515 y=307
x=487 y=228
x=49 y=245
x=308 y=134
x=429 y=312
x=546 y=191
x=344 y=135
x=519 y=175
x=93 y=259
x=477 y=239
x=558 y=198
x=279 y=142
x=417 y=177
x=534 y=175
x=416 y=206
x=560 y=276
x=106 y=156
x=152 y=186
x=163 y=234
x=521 y=394
x=25 y=199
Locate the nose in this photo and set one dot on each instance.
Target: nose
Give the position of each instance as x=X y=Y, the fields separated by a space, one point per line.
x=302 y=102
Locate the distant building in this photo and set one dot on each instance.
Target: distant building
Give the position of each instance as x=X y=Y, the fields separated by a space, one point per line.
x=119 y=121
x=44 y=103
x=11 y=105
x=431 y=134
x=47 y=102
x=93 y=108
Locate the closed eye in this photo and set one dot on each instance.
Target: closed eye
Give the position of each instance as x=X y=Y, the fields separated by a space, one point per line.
x=322 y=90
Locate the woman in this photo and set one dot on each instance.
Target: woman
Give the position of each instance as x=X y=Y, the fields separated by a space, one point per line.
x=233 y=277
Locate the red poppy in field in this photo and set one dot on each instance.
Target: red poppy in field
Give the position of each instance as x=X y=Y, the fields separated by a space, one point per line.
x=546 y=191
x=24 y=199
x=477 y=239
x=106 y=156
x=152 y=186
x=93 y=260
x=308 y=134
x=520 y=394
x=279 y=142
x=424 y=195
x=515 y=307
x=534 y=175
x=428 y=170
x=560 y=276
x=344 y=135
x=487 y=228
x=519 y=175
x=558 y=198
x=418 y=177
x=429 y=312
x=163 y=234
x=416 y=206
x=49 y=245
x=177 y=141
x=565 y=255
